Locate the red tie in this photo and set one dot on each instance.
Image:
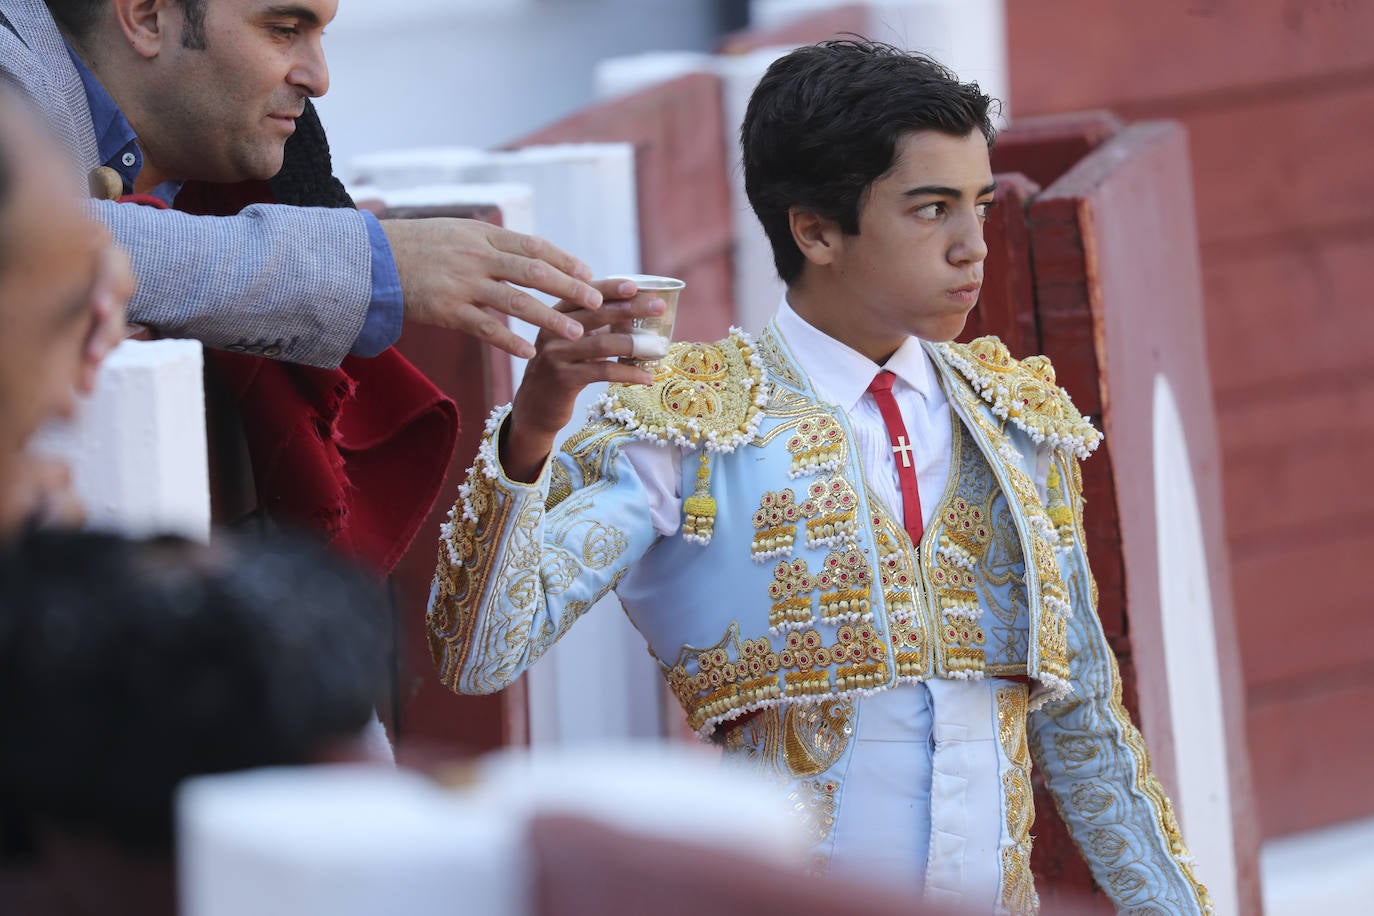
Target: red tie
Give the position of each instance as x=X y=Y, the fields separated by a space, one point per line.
x=881 y=389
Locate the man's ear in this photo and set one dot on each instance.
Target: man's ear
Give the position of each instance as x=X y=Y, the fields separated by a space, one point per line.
x=817 y=236
x=144 y=24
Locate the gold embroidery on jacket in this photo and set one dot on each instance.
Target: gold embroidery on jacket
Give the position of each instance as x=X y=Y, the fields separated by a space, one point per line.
x=1018 y=885
x=501 y=643
x=843 y=583
x=755 y=740
x=549 y=634
x=814 y=801
x=736 y=676
x=1052 y=629
x=830 y=510
x=1145 y=779
x=964 y=538
x=560 y=486
x=703 y=394
x=772 y=352
x=897 y=578
x=815 y=735
x=587 y=448
x=603 y=546
x=775 y=525
x=1061 y=516
x=817 y=445
x=909 y=643
x=465 y=563
x=1024 y=393
x=790 y=590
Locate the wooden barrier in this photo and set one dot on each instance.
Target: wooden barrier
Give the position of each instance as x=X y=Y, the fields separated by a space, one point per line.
x=1117 y=306
x=426 y=717
x=684 y=203
x=1276 y=96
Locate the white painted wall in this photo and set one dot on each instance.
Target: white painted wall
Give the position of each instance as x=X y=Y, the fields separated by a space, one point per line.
x=1190 y=660
x=137 y=445
x=968 y=36
x=481 y=73
x=1324 y=871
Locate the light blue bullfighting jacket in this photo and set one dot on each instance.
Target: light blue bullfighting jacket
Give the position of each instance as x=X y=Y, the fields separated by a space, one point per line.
x=789 y=592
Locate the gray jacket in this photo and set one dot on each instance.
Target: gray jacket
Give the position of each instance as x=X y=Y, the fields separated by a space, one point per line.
x=275 y=280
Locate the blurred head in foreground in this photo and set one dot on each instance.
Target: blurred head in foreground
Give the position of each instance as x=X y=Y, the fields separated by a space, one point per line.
x=60 y=275
x=127 y=666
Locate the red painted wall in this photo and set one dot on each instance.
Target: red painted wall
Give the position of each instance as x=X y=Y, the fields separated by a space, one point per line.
x=1278 y=97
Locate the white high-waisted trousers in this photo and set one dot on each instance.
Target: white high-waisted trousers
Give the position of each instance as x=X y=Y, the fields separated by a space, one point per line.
x=921 y=803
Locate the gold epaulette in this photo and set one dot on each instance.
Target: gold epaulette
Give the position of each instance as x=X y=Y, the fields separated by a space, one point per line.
x=703 y=394
x=1024 y=393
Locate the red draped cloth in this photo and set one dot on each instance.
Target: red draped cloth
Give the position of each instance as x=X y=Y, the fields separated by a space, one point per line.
x=357 y=454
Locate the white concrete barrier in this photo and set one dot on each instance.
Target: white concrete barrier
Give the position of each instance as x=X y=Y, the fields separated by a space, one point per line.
x=137 y=445
x=1323 y=871
x=598 y=684
x=969 y=36
x=757 y=288
x=342 y=841
x=359 y=841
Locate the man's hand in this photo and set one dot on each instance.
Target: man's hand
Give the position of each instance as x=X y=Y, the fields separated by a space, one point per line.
x=561 y=368
x=456 y=273
x=114 y=284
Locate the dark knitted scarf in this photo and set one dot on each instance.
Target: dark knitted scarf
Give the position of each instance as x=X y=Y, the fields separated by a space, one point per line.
x=355 y=454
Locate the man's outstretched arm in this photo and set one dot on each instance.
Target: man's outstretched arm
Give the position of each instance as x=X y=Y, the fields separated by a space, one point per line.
x=295 y=283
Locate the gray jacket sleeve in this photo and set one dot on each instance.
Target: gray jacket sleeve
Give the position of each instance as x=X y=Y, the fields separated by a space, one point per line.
x=290 y=283
x=285 y=282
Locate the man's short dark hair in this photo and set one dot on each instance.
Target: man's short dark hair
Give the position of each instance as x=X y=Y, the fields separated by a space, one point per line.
x=76 y=17
x=127 y=666
x=824 y=123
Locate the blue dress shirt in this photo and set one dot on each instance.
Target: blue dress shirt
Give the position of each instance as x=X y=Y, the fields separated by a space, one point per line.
x=118 y=148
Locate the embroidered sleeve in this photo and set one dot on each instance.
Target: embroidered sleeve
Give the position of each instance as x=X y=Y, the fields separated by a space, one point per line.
x=519 y=563
x=1094 y=758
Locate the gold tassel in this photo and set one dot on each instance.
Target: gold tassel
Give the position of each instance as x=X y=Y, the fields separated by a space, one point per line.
x=699 y=509
x=1061 y=516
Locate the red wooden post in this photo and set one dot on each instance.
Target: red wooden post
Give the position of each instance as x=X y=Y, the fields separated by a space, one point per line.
x=430 y=720
x=1006 y=306
x=1277 y=99
x=1111 y=255
x=1119 y=294
x=585 y=868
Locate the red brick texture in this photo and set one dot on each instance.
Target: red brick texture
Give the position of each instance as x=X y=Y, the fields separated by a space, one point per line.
x=1278 y=98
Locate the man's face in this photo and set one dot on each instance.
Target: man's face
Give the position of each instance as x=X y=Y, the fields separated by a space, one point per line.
x=224 y=112
x=52 y=252
x=916 y=265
